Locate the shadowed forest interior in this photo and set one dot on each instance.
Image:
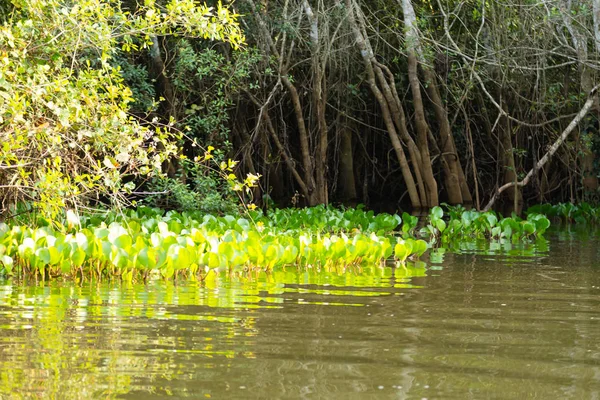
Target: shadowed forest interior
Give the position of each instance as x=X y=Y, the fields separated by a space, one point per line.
x=396 y=104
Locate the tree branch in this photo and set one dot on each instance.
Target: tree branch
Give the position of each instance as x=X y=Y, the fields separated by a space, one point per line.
x=540 y=164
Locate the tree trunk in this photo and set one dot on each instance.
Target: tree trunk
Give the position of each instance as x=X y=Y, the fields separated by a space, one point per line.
x=246 y=144
x=455 y=174
x=311 y=196
x=580 y=43
x=164 y=89
x=551 y=151
x=346 y=179
x=389 y=90
x=368 y=60
x=286 y=158
x=422 y=140
x=319 y=103
x=510 y=168
x=283 y=152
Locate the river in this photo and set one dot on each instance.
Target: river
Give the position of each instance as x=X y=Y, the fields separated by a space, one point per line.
x=506 y=322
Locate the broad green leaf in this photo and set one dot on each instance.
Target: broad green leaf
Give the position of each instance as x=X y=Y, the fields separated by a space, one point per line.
x=401 y=251
x=7 y=262
x=437 y=212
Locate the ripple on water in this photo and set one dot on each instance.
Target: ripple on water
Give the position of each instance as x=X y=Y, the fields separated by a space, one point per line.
x=497 y=322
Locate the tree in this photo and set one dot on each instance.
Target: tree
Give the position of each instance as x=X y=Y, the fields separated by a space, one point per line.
x=66 y=132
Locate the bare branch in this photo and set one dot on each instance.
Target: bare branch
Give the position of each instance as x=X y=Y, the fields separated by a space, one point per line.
x=540 y=164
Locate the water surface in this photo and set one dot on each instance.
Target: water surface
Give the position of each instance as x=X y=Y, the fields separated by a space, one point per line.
x=506 y=321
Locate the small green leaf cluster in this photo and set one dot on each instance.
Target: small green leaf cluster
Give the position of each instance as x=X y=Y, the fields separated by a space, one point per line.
x=464 y=224
x=207 y=81
x=137 y=244
x=207 y=184
x=569 y=212
x=329 y=219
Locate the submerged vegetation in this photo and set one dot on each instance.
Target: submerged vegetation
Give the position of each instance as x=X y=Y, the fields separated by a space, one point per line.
x=149 y=242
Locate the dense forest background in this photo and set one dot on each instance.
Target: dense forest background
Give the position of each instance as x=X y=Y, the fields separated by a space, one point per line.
x=396 y=104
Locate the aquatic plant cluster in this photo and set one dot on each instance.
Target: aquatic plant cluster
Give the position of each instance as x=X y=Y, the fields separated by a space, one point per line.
x=461 y=224
x=569 y=212
x=137 y=244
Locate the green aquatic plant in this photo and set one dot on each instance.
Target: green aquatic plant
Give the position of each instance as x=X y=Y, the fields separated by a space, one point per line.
x=330 y=219
x=461 y=224
x=137 y=244
x=409 y=224
x=568 y=212
x=146 y=242
x=436 y=225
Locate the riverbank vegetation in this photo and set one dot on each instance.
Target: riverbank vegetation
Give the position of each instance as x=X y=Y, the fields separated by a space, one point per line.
x=111 y=111
x=582 y=213
x=397 y=105
x=148 y=242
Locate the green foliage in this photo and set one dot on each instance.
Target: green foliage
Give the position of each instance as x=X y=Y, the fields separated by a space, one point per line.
x=136 y=244
x=468 y=224
x=436 y=225
x=65 y=132
x=206 y=184
x=137 y=79
x=329 y=219
x=409 y=223
x=569 y=212
x=204 y=190
x=409 y=247
x=207 y=82
x=149 y=241
x=173 y=194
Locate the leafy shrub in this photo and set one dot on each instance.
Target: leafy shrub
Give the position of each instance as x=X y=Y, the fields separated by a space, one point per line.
x=65 y=132
x=206 y=184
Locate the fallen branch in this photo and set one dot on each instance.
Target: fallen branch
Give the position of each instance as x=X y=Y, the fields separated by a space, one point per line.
x=540 y=164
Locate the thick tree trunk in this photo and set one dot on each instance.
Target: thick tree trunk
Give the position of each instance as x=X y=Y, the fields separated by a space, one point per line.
x=368 y=60
x=422 y=139
x=454 y=171
x=413 y=49
x=389 y=90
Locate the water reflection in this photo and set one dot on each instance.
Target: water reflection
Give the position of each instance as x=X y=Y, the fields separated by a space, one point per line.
x=503 y=322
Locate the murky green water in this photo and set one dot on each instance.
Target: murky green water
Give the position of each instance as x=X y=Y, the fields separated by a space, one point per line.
x=507 y=323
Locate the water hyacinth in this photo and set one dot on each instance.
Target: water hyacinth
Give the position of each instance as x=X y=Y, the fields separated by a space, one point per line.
x=461 y=224
x=567 y=212
x=137 y=244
